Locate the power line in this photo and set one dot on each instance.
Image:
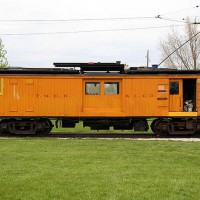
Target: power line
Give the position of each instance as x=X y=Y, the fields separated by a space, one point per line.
x=181 y=10
x=93 y=19
x=71 y=20
x=85 y=31
x=167 y=19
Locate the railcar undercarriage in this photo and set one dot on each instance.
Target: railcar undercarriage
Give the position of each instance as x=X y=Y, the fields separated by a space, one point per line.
x=160 y=126
x=107 y=123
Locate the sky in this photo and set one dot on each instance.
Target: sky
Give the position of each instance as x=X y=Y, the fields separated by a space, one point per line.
x=37 y=33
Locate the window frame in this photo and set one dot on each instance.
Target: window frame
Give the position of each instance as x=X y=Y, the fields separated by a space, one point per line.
x=93 y=82
x=117 y=88
x=175 y=88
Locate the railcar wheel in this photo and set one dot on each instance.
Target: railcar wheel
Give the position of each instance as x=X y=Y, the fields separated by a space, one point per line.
x=160 y=126
x=6 y=126
x=153 y=126
x=3 y=126
x=44 y=126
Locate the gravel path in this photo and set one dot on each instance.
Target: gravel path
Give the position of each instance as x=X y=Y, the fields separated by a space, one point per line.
x=150 y=139
x=173 y=139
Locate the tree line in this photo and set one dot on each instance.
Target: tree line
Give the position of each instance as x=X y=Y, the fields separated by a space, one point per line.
x=188 y=56
x=3 y=59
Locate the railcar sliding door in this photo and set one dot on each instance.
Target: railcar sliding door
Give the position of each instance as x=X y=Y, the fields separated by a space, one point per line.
x=92 y=98
x=102 y=96
x=176 y=95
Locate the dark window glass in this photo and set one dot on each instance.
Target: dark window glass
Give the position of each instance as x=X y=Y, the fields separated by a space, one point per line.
x=92 y=88
x=111 y=87
x=174 y=87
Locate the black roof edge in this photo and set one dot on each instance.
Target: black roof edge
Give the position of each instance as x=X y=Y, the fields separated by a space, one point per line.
x=160 y=71
x=37 y=71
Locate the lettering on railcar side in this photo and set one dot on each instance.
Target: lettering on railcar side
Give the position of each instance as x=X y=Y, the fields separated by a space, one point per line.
x=52 y=96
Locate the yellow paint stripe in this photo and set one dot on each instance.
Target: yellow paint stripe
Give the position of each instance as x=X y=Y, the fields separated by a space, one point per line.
x=184 y=114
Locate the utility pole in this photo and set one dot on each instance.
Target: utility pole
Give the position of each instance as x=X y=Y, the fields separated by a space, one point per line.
x=195 y=59
x=147 y=58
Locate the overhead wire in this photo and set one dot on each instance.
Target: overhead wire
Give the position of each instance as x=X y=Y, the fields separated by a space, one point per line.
x=86 y=31
x=42 y=21
x=73 y=20
x=160 y=16
x=168 y=19
x=98 y=19
x=94 y=19
x=181 y=10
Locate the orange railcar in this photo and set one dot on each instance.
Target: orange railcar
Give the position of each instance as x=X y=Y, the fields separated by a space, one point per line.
x=101 y=95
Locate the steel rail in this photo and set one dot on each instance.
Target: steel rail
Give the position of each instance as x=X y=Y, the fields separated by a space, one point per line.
x=103 y=135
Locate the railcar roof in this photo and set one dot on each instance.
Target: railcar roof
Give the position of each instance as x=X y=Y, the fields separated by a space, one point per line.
x=65 y=71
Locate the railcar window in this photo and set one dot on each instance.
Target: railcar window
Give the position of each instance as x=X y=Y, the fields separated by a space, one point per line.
x=92 y=88
x=174 y=87
x=111 y=87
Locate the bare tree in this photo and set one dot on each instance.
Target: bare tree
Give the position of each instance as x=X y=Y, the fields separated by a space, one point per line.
x=3 y=59
x=186 y=57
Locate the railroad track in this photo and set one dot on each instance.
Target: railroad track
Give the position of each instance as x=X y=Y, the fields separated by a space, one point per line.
x=104 y=135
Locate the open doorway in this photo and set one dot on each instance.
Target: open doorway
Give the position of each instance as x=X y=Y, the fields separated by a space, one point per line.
x=189 y=95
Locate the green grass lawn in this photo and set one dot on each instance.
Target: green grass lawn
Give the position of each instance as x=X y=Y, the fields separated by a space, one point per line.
x=92 y=169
